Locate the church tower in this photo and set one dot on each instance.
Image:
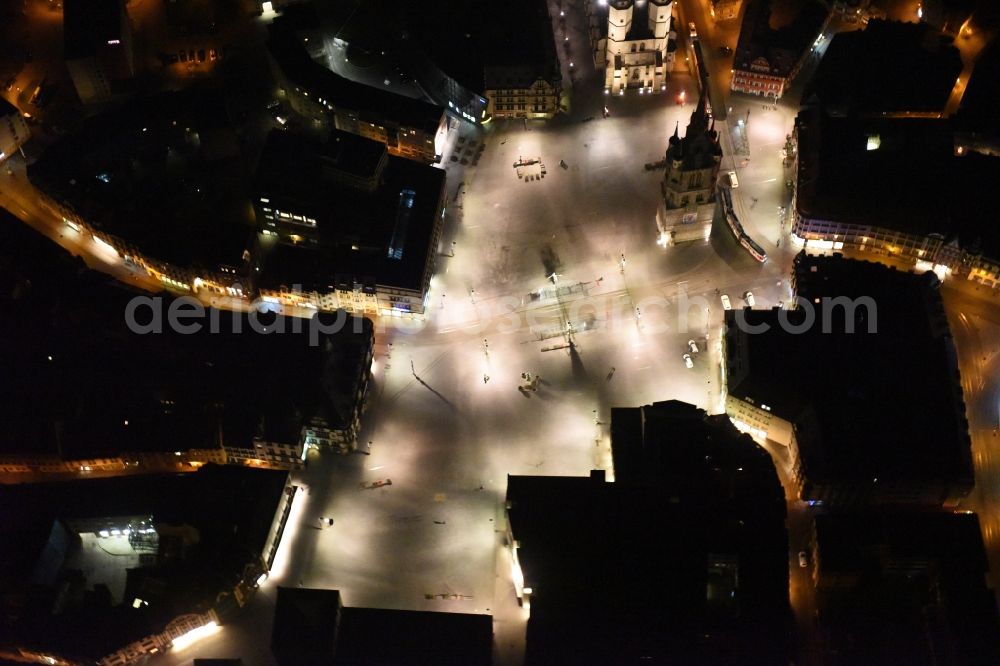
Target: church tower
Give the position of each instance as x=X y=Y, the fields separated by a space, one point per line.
x=687 y=204
x=619 y=22
x=692 y=163
x=659 y=20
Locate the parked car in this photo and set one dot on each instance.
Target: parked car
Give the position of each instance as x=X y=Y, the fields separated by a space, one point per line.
x=693 y=346
x=726 y=305
x=749 y=299
x=687 y=361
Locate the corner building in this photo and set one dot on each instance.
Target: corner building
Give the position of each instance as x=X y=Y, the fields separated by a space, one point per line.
x=860 y=382
x=356 y=229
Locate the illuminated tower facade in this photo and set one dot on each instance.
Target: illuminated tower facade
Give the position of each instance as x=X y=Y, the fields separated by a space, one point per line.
x=640 y=46
x=688 y=186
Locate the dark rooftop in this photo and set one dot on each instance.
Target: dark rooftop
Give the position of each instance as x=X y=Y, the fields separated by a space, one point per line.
x=883 y=405
x=311 y=627
x=973 y=223
x=371 y=104
x=232 y=509
x=683 y=557
x=779 y=31
x=87 y=24
x=348 y=217
x=980 y=108
x=6 y=108
x=640 y=18
x=142 y=172
x=640 y=22
x=31 y=264
x=896 y=173
x=843 y=176
x=305 y=626
x=513 y=48
x=676 y=443
x=951 y=15
x=905 y=587
x=193 y=391
x=621 y=572
x=419 y=638
x=353 y=155
x=890 y=67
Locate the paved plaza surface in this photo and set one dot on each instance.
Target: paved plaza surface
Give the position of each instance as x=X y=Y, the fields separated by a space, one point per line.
x=530 y=280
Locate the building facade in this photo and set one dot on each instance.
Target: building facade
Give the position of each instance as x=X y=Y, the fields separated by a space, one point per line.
x=516 y=92
x=639 y=46
x=357 y=230
x=724 y=10
x=760 y=77
x=264 y=455
x=14 y=131
x=946 y=232
x=424 y=143
x=224 y=280
x=768 y=60
x=521 y=73
x=368 y=299
x=687 y=190
x=927 y=251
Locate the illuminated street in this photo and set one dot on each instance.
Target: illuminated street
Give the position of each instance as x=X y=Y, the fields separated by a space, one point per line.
x=975 y=324
x=440 y=429
x=550 y=304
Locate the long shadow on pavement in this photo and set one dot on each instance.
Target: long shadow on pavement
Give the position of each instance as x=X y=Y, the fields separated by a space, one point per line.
x=580 y=376
x=431 y=389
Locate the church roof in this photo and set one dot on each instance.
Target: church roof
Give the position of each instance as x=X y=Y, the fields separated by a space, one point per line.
x=700 y=146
